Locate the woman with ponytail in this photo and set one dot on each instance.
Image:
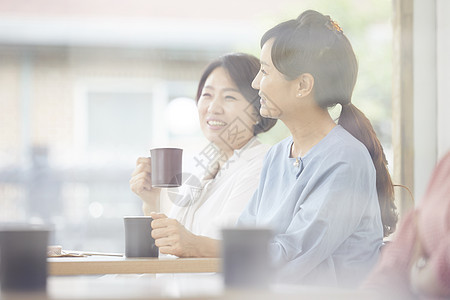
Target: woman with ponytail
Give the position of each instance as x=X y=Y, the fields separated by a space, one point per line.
x=325 y=191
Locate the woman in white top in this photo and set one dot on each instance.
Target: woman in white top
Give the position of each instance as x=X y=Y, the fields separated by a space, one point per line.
x=228 y=109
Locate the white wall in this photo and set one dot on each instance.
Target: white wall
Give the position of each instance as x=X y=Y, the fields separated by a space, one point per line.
x=425 y=93
x=443 y=76
x=431 y=88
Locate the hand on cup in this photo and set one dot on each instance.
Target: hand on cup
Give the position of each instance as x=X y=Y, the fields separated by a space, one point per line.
x=164 y=169
x=172 y=237
x=141 y=182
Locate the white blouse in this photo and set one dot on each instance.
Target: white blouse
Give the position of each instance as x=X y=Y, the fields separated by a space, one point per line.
x=205 y=205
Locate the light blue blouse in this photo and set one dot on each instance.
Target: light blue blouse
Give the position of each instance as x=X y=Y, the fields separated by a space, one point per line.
x=324 y=211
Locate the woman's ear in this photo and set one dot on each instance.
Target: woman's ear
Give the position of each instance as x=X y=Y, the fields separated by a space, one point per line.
x=305 y=84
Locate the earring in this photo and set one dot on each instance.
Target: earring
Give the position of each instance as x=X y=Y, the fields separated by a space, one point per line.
x=299 y=94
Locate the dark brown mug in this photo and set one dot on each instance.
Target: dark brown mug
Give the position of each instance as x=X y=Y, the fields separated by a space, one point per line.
x=138 y=237
x=166 y=167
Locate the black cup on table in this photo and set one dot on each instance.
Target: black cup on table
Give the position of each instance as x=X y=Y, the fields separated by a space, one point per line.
x=166 y=167
x=138 y=237
x=23 y=257
x=246 y=262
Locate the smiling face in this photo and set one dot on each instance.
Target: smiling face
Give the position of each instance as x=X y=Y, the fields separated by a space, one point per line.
x=274 y=89
x=224 y=113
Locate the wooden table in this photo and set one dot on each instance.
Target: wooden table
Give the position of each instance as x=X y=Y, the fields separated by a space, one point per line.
x=95 y=265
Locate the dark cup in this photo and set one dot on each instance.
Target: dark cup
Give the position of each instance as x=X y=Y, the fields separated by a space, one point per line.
x=138 y=237
x=246 y=261
x=166 y=167
x=23 y=257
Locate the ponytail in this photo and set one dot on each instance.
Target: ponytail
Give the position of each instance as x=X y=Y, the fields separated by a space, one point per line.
x=315 y=44
x=355 y=122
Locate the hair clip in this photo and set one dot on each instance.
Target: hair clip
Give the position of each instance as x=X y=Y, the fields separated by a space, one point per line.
x=332 y=25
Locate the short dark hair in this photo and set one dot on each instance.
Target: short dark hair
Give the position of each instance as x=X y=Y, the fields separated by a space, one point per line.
x=242 y=69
